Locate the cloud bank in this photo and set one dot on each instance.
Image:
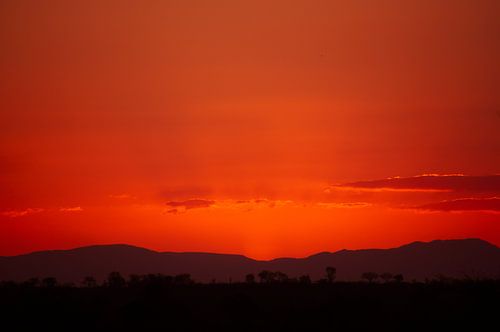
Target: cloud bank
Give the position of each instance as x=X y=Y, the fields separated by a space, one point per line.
x=20 y=213
x=430 y=182
x=177 y=206
x=436 y=192
x=465 y=204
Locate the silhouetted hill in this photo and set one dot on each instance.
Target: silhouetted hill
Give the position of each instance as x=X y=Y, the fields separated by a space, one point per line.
x=418 y=260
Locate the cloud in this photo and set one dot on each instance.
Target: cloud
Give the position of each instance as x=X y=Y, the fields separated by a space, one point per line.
x=446 y=192
x=257 y=203
x=71 y=209
x=20 y=213
x=345 y=205
x=175 y=207
x=185 y=193
x=491 y=204
x=430 y=183
x=121 y=196
x=188 y=205
x=30 y=211
x=269 y=202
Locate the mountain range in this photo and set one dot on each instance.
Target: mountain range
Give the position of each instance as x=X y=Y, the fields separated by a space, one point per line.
x=416 y=261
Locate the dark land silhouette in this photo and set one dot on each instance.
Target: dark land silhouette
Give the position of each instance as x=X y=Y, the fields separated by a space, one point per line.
x=436 y=286
x=272 y=302
x=467 y=258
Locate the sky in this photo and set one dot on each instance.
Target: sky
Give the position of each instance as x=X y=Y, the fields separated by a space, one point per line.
x=262 y=128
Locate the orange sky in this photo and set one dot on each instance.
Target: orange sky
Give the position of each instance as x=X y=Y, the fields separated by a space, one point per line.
x=227 y=126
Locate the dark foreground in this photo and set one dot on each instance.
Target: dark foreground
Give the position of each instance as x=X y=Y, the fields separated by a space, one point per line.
x=432 y=306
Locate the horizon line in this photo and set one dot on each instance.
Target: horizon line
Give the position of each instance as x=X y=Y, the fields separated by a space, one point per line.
x=236 y=254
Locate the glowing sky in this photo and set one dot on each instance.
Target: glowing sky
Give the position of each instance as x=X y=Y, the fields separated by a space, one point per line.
x=266 y=128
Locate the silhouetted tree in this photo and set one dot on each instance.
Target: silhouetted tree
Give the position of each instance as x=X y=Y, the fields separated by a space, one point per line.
x=32 y=282
x=250 y=278
x=398 y=278
x=265 y=276
x=8 y=284
x=89 y=282
x=183 y=279
x=305 y=279
x=280 y=277
x=442 y=278
x=152 y=280
x=370 y=276
x=135 y=280
x=331 y=273
x=115 y=280
x=386 y=276
x=167 y=280
x=49 y=282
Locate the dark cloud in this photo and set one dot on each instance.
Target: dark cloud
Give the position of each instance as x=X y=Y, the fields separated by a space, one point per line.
x=455 y=183
x=185 y=193
x=189 y=204
x=464 y=204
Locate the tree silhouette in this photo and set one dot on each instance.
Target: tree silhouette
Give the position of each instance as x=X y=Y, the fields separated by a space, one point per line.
x=398 y=278
x=49 y=282
x=265 y=276
x=156 y=280
x=135 y=280
x=386 y=276
x=89 y=282
x=32 y=282
x=370 y=276
x=280 y=277
x=250 y=278
x=305 y=279
x=331 y=273
x=115 y=280
x=183 y=279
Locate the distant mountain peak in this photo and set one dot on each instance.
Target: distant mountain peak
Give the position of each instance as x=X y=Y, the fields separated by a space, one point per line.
x=450 y=242
x=97 y=248
x=323 y=253
x=417 y=260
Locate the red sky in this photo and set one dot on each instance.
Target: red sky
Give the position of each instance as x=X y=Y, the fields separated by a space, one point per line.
x=266 y=128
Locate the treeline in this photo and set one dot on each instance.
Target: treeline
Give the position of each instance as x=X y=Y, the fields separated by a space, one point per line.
x=117 y=280
x=266 y=301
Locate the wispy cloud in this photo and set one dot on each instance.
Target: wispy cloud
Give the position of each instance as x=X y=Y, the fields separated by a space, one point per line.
x=252 y=204
x=71 y=209
x=30 y=211
x=256 y=204
x=491 y=204
x=21 y=213
x=178 y=206
x=429 y=183
x=344 y=205
x=120 y=196
x=426 y=192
